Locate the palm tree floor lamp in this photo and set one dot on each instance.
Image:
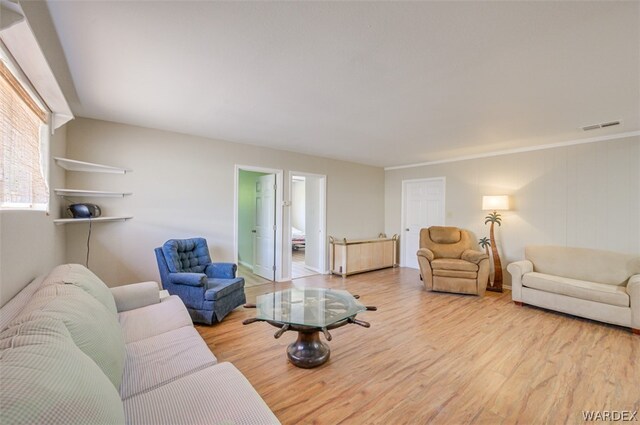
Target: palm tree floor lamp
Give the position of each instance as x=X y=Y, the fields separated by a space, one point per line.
x=495 y=203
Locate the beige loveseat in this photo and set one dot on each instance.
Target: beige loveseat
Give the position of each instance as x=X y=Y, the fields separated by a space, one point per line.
x=72 y=351
x=598 y=285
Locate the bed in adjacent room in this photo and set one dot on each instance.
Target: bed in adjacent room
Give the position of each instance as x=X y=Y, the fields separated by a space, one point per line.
x=297 y=239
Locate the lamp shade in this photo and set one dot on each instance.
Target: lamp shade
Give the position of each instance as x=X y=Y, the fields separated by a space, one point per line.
x=495 y=202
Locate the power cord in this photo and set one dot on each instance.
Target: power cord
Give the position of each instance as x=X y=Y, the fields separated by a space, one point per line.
x=88 y=245
x=86 y=262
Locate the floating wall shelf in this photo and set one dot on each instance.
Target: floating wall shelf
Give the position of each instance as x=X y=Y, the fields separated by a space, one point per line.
x=90 y=193
x=86 y=220
x=89 y=167
x=73 y=165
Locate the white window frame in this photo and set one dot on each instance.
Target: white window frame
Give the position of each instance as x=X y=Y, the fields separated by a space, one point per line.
x=45 y=135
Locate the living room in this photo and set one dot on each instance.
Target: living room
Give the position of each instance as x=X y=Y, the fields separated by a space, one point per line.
x=538 y=102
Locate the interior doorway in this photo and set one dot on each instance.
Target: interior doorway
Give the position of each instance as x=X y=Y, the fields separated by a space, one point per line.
x=307 y=219
x=258 y=236
x=422 y=206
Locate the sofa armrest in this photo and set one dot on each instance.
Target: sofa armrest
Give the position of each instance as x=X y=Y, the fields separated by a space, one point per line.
x=426 y=253
x=484 y=269
x=425 y=256
x=517 y=270
x=474 y=256
x=221 y=270
x=189 y=279
x=633 y=289
x=136 y=295
x=520 y=268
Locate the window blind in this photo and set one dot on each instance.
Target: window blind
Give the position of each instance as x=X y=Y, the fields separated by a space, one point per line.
x=23 y=127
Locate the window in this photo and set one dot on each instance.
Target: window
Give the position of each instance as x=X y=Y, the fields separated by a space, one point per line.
x=24 y=139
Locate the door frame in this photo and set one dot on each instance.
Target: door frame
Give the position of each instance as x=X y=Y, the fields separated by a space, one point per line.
x=323 y=269
x=403 y=255
x=277 y=255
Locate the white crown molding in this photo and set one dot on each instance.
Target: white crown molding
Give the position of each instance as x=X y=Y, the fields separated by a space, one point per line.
x=520 y=150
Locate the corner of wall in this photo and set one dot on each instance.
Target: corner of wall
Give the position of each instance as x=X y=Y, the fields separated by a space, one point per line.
x=33 y=232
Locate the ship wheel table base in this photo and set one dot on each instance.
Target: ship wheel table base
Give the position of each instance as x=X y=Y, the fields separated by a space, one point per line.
x=308 y=351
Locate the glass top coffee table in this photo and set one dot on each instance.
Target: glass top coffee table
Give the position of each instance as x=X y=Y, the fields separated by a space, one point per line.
x=308 y=311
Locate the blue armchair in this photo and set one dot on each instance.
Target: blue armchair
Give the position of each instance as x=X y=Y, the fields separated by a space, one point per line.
x=209 y=290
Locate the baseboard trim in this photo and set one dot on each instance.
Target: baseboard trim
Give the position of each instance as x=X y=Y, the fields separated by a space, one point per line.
x=245 y=264
x=313 y=269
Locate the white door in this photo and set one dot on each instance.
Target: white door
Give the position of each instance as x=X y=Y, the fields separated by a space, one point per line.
x=265 y=231
x=423 y=206
x=312 y=223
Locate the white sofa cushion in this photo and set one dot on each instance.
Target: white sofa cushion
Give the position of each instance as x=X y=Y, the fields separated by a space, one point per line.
x=594 y=310
x=591 y=265
x=11 y=309
x=154 y=361
x=93 y=328
x=152 y=320
x=135 y=295
x=216 y=395
x=599 y=292
x=46 y=379
x=80 y=276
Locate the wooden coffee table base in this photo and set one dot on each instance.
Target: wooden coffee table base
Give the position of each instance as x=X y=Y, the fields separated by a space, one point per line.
x=308 y=351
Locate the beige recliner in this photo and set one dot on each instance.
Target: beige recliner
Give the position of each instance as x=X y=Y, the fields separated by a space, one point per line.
x=450 y=262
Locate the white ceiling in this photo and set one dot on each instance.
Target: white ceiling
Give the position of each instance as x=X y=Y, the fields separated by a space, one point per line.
x=381 y=83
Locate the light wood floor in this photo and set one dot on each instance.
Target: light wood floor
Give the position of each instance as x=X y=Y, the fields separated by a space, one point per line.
x=437 y=358
x=298 y=268
x=250 y=279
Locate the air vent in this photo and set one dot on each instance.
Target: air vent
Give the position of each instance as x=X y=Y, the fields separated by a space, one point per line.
x=603 y=125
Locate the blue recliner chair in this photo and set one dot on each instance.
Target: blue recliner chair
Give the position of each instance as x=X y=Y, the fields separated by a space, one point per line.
x=209 y=290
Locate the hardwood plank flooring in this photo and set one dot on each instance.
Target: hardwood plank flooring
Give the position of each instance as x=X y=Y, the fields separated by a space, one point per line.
x=437 y=358
x=251 y=279
x=298 y=268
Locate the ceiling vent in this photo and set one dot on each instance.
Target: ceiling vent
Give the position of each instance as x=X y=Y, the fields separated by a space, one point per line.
x=602 y=125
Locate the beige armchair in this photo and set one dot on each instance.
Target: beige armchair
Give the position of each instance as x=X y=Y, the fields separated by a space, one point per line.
x=450 y=262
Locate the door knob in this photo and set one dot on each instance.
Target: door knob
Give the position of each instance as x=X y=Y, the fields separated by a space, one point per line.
x=407 y=229
x=253 y=231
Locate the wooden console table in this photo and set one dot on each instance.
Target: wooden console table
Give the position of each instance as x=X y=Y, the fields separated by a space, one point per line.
x=362 y=255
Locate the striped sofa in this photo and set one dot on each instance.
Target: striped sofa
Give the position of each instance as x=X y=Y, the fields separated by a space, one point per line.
x=73 y=351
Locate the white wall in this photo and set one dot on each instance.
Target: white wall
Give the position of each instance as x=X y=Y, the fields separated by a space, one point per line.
x=298 y=205
x=30 y=244
x=183 y=186
x=584 y=195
